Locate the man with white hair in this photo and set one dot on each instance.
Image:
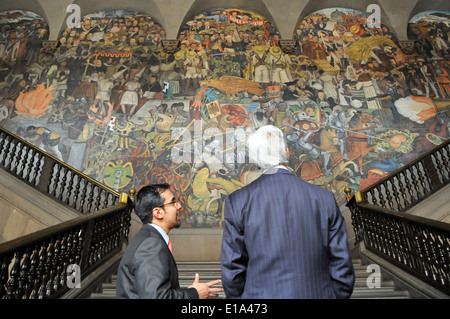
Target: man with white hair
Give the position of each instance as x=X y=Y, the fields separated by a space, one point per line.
x=283 y=237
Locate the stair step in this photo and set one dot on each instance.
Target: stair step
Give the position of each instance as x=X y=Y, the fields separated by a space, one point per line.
x=375 y=294
x=105 y=294
x=212 y=270
x=362 y=282
x=359 y=274
x=374 y=290
x=109 y=285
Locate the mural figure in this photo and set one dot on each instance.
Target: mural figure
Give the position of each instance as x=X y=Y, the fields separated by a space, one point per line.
x=113 y=104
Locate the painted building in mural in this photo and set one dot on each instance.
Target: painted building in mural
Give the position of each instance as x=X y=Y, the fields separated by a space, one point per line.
x=114 y=105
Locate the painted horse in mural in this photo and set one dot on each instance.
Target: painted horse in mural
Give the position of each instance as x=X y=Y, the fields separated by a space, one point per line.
x=361 y=127
x=328 y=144
x=317 y=146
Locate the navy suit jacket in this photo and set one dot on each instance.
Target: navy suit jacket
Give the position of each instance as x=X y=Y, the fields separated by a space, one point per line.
x=285 y=238
x=148 y=270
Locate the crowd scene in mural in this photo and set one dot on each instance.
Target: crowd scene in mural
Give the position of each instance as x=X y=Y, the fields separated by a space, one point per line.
x=114 y=105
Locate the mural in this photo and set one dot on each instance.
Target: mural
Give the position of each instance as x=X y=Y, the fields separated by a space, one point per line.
x=112 y=104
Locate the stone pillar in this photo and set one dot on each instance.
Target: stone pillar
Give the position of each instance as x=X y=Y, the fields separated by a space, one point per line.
x=288 y=46
x=170 y=46
x=49 y=46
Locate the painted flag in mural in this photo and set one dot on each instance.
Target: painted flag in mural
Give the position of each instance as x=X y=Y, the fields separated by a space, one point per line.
x=167 y=89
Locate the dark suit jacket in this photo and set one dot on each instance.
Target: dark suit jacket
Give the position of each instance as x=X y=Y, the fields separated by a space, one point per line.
x=285 y=238
x=148 y=270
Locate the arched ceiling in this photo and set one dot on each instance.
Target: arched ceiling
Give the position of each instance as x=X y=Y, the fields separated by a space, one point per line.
x=257 y=6
x=425 y=5
x=172 y=14
x=29 y=5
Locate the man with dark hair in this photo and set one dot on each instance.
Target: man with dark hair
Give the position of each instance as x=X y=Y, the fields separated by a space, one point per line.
x=148 y=269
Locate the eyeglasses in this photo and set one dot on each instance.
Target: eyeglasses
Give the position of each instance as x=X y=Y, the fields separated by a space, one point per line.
x=174 y=202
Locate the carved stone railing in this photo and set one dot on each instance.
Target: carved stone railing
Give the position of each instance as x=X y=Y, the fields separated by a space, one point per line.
x=53 y=177
x=418 y=245
x=46 y=264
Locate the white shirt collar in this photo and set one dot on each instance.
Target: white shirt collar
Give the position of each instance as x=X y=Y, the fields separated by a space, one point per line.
x=162 y=232
x=273 y=169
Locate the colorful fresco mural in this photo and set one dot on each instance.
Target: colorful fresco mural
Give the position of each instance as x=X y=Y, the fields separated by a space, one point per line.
x=113 y=104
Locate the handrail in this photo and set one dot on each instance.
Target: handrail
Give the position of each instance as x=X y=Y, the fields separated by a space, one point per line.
x=42 y=264
x=53 y=177
x=47 y=263
x=418 y=245
x=413 y=182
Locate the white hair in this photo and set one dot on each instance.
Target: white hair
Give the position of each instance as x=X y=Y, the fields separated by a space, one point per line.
x=267 y=147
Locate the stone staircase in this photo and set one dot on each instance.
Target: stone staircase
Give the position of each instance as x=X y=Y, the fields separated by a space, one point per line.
x=211 y=270
x=385 y=290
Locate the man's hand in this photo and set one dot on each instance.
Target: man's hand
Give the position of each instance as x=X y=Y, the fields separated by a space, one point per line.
x=205 y=290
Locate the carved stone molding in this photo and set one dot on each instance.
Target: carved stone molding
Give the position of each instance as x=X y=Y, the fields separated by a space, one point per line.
x=407 y=46
x=49 y=46
x=170 y=46
x=288 y=46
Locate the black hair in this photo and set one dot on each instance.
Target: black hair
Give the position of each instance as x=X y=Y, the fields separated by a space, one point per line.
x=147 y=198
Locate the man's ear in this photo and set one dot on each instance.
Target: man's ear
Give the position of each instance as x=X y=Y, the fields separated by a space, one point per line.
x=288 y=153
x=157 y=213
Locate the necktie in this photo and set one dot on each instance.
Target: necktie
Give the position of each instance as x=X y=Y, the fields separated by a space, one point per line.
x=170 y=246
